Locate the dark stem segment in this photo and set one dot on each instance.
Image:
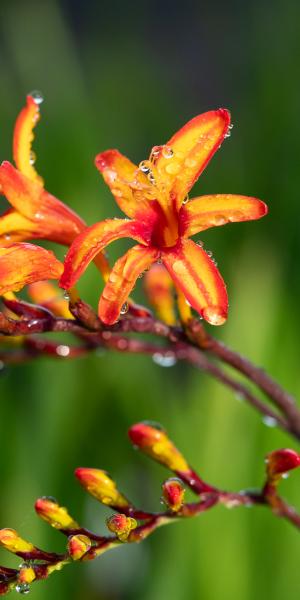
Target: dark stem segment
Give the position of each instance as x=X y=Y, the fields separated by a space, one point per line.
x=191 y=344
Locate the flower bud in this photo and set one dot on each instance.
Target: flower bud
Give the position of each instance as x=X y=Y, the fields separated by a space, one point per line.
x=173 y=494
x=281 y=461
x=26 y=574
x=101 y=486
x=54 y=514
x=10 y=540
x=78 y=545
x=152 y=440
x=121 y=525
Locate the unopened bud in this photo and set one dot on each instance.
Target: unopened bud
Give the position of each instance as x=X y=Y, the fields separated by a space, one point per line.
x=78 y=545
x=281 y=461
x=121 y=525
x=101 y=486
x=173 y=494
x=54 y=514
x=10 y=540
x=153 y=440
x=26 y=574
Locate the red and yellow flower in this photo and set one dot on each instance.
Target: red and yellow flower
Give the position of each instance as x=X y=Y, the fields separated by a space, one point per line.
x=161 y=219
x=35 y=213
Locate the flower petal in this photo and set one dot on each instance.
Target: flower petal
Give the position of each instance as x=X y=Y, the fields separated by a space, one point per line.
x=199 y=279
x=23 y=138
x=55 y=220
x=49 y=296
x=211 y=211
x=122 y=279
x=159 y=289
x=128 y=184
x=92 y=240
x=14 y=227
x=190 y=149
x=21 y=264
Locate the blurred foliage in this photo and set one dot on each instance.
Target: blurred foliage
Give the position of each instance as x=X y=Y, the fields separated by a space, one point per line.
x=128 y=75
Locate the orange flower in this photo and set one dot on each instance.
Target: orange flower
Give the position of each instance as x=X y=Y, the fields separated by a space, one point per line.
x=154 y=196
x=36 y=214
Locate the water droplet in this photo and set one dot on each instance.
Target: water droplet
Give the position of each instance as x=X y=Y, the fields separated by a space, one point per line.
x=144 y=166
x=66 y=296
x=285 y=475
x=240 y=396
x=63 y=350
x=269 y=421
x=50 y=499
x=214 y=315
x=151 y=178
x=7 y=237
x=153 y=424
x=37 y=96
x=186 y=199
x=23 y=588
x=190 y=162
x=167 y=152
x=164 y=360
x=173 y=168
x=218 y=220
x=200 y=244
x=124 y=309
x=155 y=152
x=32 y=157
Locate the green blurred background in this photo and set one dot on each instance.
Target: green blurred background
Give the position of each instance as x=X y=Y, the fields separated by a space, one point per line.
x=128 y=75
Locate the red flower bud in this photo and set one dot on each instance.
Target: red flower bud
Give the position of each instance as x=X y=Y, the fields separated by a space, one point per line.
x=121 y=525
x=281 y=461
x=78 y=545
x=153 y=440
x=173 y=493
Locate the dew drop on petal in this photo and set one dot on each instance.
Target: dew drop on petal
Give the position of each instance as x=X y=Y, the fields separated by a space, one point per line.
x=144 y=167
x=167 y=152
x=37 y=96
x=32 y=157
x=124 y=309
x=173 y=168
x=214 y=315
x=218 y=220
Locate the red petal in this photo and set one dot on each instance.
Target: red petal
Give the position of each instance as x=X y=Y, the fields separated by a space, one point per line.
x=211 y=211
x=122 y=280
x=199 y=279
x=193 y=146
x=92 y=240
x=21 y=264
x=127 y=182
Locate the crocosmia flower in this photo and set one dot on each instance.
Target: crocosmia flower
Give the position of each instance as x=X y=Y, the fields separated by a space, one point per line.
x=35 y=213
x=161 y=219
